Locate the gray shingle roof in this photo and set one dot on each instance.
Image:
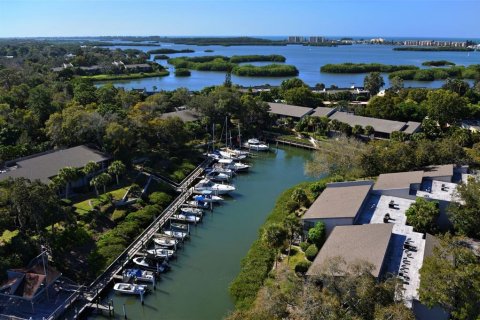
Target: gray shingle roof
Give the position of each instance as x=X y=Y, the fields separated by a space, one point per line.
x=399 y=180
x=438 y=171
x=45 y=166
x=339 y=200
x=322 y=112
x=184 y=115
x=368 y=242
x=380 y=125
x=288 y=110
x=412 y=127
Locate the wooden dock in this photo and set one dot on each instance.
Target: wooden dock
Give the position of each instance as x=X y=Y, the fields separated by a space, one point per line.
x=96 y=288
x=299 y=144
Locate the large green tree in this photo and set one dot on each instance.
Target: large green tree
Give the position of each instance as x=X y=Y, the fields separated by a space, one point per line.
x=450 y=278
x=373 y=82
x=116 y=168
x=422 y=215
x=445 y=107
x=465 y=212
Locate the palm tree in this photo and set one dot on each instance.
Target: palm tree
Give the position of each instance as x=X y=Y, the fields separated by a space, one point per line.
x=274 y=236
x=117 y=168
x=292 y=224
x=68 y=175
x=95 y=182
x=90 y=168
x=103 y=179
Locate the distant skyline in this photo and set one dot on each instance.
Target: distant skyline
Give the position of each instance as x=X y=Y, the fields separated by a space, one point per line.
x=375 y=18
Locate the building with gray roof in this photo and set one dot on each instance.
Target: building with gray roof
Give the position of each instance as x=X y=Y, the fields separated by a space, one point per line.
x=287 y=110
x=368 y=242
x=323 y=112
x=382 y=127
x=339 y=204
x=185 y=115
x=45 y=166
x=399 y=184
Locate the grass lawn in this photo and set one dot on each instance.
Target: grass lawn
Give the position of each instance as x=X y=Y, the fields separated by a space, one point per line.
x=297 y=256
x=84 y=206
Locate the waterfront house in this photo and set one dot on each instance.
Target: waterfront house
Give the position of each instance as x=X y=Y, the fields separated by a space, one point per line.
x=338 y=205
x=368 y=242
x=44 y=166
x=186 y=115
x=283 y=110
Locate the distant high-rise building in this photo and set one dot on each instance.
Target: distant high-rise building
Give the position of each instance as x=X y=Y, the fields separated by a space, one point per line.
x=316 y=39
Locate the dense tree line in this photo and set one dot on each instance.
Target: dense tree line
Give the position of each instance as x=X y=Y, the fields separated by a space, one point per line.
x=364 y=68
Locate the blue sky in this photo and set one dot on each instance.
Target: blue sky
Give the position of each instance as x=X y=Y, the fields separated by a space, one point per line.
x=388 y=18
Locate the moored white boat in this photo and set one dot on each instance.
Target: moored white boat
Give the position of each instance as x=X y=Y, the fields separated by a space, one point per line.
x=207 y=196
x=215 y=188
x=128 y=288
x=186 y=217
x=256 y=145
x=144 y=263
x=227 y=154
x=166 y=242
x=233 y=165
x=161 y=253
x=138 y=275
x=217 y=176
x=198 y=204
x=191 y=210
x=179 y=226
x=176 y=234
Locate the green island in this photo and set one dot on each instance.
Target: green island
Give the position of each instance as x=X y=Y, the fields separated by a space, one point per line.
x=222 y=63
x=460 y=49
x=227 y=41
x=438 y=63
x=364 y=68
x=161 y=57
x=182 y=72
x=458 y=72
x=141 y=75
x=169 y=51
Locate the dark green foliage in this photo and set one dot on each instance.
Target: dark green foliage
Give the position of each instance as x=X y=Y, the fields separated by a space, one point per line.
x=272 y=70
x=302 y=267
x=317 y=234
x=311 y=252
x=181 y=72
x=460 y=72
x=438 y=63
x=373 y=82
x=466 y=216
x=160 y=199
x=161 y=57
x=258 y=58
x=169 y=51
x=304 y=246
x=422 y=215
x=364 y=68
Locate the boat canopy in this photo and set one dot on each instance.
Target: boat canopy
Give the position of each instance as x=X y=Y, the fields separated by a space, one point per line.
x=226 y=161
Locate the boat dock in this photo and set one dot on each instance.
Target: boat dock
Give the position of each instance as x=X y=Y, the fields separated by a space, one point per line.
x=97 y=287
x=298 y=144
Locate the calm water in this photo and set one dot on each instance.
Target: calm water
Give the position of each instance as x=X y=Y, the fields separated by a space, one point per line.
x=197 y=285
x=308 y=61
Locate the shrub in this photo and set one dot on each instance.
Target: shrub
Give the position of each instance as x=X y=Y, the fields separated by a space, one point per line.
x=304 y=246
x=291 y=206
x=317 y=234
x=311 y=252
x=182 y=72
x=161 y=199
x=118 y=215
x=302 y=267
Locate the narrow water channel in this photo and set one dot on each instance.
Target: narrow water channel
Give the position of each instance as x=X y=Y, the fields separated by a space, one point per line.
x=197 y=285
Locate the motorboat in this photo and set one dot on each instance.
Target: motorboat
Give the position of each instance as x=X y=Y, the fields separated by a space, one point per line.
x=198 y=204
x=207 y=196
x=166 y=242
x=176 y=234
x=161 y=253
x=138 y=275
x=191 y=210
x=145 y=263
x=220 y=169
x=179 y=226
x=129 y=288
x=233 y=165
x=227 y=154
x=215 y=188
x=186 y=217
x=256 y=145
x=217 y=176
